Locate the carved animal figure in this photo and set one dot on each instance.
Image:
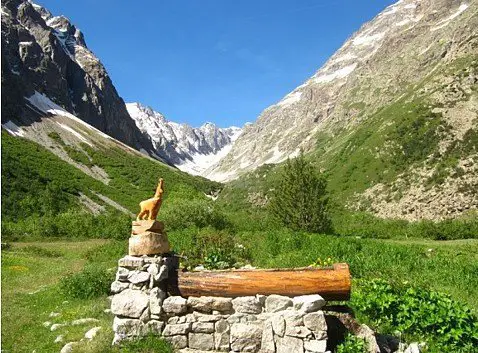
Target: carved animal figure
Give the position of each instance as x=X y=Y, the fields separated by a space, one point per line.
x=150 y=207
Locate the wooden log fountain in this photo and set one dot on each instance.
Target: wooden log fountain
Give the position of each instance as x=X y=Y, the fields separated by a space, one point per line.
x=332 y=283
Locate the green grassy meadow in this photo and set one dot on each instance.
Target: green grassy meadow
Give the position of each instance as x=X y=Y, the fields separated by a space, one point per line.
x=31 y=291
x=32 y=274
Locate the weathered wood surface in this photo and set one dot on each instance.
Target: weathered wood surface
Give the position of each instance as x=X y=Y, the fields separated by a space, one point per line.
x=331 y=283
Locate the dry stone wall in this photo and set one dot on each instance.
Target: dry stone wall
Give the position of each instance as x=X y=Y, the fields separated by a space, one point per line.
x=266 y=324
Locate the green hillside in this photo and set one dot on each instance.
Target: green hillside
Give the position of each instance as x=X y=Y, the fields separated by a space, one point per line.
x=40 y=192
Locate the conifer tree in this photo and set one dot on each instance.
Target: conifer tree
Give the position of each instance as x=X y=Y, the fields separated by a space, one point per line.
x=300 y=199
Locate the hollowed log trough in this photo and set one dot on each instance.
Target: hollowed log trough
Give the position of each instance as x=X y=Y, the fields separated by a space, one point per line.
x=332 y=283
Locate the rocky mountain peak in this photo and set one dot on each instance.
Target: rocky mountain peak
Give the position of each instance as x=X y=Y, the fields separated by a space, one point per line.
x=44 y=13
x=61 y=23
x=190 y=149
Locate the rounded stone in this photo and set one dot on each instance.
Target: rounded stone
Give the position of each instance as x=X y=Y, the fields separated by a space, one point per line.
x=148 y=243
x=175 y=305
x=276 y=303
x=247 y=305
x=129 y=303
x=308 y=303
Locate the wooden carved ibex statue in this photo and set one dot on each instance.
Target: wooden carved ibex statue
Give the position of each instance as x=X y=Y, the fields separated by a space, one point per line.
x=150 y=207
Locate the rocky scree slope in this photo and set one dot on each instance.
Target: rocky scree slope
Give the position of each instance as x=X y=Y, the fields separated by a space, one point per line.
x=405 y=82
x=192 y=150
x=45 y=55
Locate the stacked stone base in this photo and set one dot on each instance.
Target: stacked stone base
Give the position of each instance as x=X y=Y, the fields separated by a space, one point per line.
x=266 y=324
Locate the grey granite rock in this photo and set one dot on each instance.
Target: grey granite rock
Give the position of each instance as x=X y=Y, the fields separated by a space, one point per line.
x=202 y=341
x=210 y=304
x=122 y=274
x=274 y=303
x=267 y=341
x=308 y=303
x=178 y=342
x=118 y=286
x=288 y=344
x=298 y=331
x=126 y=327
x=315 y=321
x=131 y=262
x=202 y=327
x=176 y=329
x=156 y=297
x=316 y=346
x=137 y=277
x=175 y=305
x=130 y=303
x=246 y=337
x=247 y=305
x=278 y=325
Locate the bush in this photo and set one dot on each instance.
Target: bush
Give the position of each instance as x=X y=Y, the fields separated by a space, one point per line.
x=182 y=213
x=209 y=247
x=352 y=344
x=366 y=225
x=109 y=252
x=91 y=282
x=417 y=311
x=69 y=224
x=300 y=199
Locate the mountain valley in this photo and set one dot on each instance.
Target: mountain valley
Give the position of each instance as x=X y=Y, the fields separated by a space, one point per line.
x=388 y=127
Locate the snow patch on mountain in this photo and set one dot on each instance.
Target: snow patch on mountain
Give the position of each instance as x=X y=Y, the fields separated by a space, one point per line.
x=290 y=98
x=447 y=20
x=46 y=105
x=192 y=150
x=340 y=73
x=75 y=133
x=13 y=129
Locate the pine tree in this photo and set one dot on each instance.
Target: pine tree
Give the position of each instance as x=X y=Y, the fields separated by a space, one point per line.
x=300 y=199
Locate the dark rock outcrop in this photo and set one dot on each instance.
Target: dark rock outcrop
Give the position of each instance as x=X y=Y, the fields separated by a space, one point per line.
x=49 y=55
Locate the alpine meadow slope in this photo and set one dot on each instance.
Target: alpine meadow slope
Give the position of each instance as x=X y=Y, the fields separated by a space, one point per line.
x=391 y=117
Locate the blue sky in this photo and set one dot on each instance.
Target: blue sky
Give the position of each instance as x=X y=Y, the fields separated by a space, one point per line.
x=213 y=60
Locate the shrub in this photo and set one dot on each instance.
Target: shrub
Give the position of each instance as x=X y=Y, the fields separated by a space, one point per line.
x=366 y=225
x=70 y=224
x=417 y=311
x=208 y=246
x=218 y=259
x=352 y=344
x=91 y=282
x=109 y=252
x=300 y=199
x=182 y=213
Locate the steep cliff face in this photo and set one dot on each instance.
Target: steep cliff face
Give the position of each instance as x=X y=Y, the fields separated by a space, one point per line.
x=192 y=150
x=380 y=63
x=45 y=54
